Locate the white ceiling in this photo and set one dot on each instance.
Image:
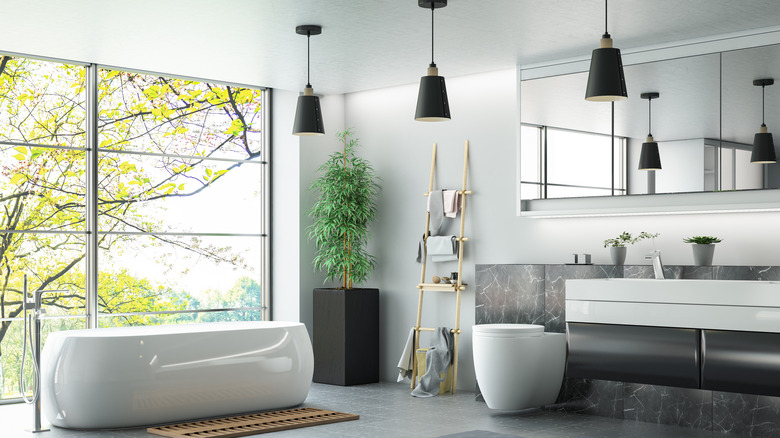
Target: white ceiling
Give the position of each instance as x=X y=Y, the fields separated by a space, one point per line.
x=365 y=44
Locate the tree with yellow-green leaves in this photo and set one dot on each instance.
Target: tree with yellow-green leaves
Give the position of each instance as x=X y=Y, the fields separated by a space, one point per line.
x=177 y=124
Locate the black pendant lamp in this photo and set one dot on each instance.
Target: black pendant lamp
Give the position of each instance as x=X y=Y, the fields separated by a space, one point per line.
x=649 y=158
x=763 y=145
x=308 y=115
x=606 y=81
x=432 y=102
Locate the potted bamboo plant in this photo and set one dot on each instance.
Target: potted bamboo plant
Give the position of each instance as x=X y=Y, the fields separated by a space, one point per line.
x=703 y=249
x=346 y=319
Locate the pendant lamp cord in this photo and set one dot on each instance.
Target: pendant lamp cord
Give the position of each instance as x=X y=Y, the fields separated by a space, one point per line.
x=606 y=33
x=433 y=64
x=649 y=117
x=762 y=105
x=308 y=58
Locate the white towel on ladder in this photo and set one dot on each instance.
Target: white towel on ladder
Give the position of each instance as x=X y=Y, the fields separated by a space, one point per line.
x=443 y=248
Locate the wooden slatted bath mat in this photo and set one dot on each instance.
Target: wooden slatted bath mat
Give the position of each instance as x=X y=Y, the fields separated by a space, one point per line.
x=252 y=424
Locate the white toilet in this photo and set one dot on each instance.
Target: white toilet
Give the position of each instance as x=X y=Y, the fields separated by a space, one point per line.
x=518 y=366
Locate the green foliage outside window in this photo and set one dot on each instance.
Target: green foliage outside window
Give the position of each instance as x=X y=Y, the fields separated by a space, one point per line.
x=44 y=188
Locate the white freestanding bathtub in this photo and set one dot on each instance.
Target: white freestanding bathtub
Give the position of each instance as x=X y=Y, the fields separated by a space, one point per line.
x=135 y=376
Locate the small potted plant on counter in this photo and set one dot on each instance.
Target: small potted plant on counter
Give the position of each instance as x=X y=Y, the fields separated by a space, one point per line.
x=703 y=249
x=617 y=245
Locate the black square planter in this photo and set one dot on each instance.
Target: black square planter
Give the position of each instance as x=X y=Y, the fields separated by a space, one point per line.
x=346 y=336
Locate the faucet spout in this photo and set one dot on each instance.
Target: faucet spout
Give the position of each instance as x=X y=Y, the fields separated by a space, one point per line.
x=658 y=266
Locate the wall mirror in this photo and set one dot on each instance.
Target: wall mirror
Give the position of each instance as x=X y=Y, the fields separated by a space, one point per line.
x=703 y=121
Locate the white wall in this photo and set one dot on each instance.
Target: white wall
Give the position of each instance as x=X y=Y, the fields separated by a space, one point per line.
x=285 y=217
x=484 y=112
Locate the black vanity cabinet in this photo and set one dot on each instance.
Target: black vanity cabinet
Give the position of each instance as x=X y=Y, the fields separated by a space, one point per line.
x=746 y=362
x=655 y=355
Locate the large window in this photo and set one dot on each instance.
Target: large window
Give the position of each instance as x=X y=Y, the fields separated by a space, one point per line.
x=179 y=185
x=552 y=163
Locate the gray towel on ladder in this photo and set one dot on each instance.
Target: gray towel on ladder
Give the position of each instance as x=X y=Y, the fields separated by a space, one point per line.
x=436 y=209
x=437 y=360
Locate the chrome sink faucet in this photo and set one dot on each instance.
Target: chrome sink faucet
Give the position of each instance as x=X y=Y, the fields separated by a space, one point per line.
x=658 y=267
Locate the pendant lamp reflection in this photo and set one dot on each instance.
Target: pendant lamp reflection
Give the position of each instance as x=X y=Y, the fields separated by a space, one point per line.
x=606 y=81
x=763 y=145
x=308 y=115
x=432 y=102
x=649 y=158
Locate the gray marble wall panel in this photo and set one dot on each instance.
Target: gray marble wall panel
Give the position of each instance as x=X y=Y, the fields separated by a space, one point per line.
x=755 y=416
x=555 y=289
x=590 y=396
x=644 y=271
x=682 y=407
x=758 y=273
x=698 y=272
x=509 y=294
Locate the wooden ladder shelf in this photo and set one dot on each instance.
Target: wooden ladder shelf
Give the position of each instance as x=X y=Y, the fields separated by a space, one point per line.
x=457 y=288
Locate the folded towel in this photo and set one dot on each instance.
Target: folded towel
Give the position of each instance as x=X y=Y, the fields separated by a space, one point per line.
x=451 y=201
x=437 y=360
x=443 y=248
x=436 y=209
x=405 y=363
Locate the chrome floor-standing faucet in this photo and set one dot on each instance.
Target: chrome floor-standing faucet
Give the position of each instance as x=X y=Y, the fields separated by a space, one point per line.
x=35 y=326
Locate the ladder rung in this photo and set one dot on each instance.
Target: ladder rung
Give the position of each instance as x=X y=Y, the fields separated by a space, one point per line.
x=462 y=192
x=430 y=329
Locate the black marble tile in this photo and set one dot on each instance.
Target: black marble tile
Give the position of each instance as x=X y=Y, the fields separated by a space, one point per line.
x=755 y=416
x=555 y=289
x=646 y=271
x=698 y=272
x=668 y=405
x=757 y=273
x=590 y=396
x=509 y=294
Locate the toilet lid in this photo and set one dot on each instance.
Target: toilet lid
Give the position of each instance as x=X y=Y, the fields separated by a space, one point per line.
x=509 y=329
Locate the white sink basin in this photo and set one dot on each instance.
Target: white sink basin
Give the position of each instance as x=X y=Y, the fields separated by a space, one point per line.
x=706 y=304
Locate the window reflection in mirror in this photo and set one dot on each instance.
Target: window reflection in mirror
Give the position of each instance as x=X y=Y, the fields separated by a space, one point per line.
x=563 y=163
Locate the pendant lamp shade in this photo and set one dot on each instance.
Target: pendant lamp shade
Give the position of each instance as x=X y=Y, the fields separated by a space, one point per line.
x=763 y=145
x=432 y=102
x=606 y=81
x=763 y=148
x=649 y=158
x=308 y=114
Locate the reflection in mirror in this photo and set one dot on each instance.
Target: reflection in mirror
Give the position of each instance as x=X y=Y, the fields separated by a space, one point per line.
x=686 y=116
x=562 y=163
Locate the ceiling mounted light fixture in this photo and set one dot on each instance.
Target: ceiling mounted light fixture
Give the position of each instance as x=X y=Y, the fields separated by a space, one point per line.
x=606 y=81
x=308 y=115
x=432 y=102
x=649 y=158
x=763 y=145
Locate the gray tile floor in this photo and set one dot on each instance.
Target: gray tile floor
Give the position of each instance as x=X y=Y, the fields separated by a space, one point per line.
x=387 y=410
